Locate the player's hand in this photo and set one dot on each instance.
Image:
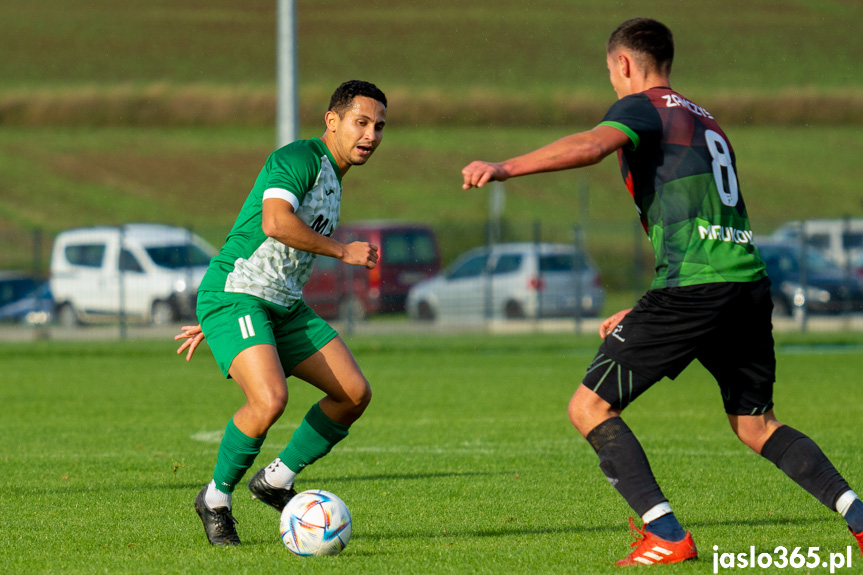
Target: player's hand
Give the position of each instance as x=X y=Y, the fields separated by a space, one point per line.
x=193 y=336
x=607 y=326
x=361 y=254
x=477 y=174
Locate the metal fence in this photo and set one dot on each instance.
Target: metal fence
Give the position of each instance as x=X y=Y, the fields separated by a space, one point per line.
x=495 y=276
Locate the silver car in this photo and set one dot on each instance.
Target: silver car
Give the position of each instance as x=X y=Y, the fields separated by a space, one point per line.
x=511 y=280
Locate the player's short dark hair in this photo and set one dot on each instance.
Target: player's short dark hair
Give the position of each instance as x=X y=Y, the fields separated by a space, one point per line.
x=345 y=94
x=648 y=38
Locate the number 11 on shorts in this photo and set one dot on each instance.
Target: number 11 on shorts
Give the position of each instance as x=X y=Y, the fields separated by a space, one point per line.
x=246 y=327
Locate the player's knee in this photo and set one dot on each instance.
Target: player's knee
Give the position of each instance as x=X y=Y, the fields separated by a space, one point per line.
x=270 y=407
x=362 y=400
x=357 y=396
x=576 y=414
x=587 y=410
x=754 y=430
x=755 y=440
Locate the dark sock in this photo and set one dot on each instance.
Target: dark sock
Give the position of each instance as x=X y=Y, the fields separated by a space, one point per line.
x=666 y=527
x=854 y=517
x=625 y=464
x=803 y=461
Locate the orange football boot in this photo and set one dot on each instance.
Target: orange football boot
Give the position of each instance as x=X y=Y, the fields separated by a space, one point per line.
x=859 y=538
x=653 y=550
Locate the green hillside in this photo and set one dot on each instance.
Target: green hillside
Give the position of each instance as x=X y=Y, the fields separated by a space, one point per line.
x=441 y=60
x=117 y=111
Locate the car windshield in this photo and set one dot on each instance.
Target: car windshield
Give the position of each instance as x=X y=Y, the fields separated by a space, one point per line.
x=180 y=256
x=562 y=263
x=13 y=290
x=852 y=240
x=507 y=263
x=788 y=261
x=473 y=266
x=408 y=247
x=818 y=261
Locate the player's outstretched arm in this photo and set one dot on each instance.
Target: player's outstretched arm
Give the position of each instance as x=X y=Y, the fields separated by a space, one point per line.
x=574 y=151
x=193 y=336
x=280 y=223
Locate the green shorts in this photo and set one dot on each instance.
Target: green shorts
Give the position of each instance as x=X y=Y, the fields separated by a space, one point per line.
x=233 y=322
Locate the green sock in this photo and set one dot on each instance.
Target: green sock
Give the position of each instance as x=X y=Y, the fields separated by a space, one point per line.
x=313 y=439
x=237 y=452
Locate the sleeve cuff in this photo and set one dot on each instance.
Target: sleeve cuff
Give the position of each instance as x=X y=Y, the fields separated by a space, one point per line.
x=282 y=194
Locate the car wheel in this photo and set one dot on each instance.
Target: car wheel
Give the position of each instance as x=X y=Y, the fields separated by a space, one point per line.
x=162 y=313
x=514 y=310
x=67 y=316
x=425 y=312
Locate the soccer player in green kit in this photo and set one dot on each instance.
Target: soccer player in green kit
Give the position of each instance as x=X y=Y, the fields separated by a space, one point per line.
x=710 y=299
x=258 y=327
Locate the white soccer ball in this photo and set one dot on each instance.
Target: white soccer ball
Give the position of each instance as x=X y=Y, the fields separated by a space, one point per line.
x=316 y=523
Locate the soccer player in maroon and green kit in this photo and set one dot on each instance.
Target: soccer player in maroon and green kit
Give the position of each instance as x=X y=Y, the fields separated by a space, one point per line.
x=710 y=299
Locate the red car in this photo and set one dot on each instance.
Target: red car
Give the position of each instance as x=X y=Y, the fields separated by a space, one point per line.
x=408 y=254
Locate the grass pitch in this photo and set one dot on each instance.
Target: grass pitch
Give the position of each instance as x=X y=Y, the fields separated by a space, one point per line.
x=464 y=462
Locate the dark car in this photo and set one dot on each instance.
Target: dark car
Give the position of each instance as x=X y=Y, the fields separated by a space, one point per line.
x=25 y=299
x=328 y=292
x=408 y=254
x=821 y=286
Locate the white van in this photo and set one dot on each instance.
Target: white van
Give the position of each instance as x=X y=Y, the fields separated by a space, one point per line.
x=841 y=239
x=145 y=272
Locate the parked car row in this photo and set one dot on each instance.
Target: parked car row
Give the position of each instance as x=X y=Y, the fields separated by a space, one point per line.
x=150 y=273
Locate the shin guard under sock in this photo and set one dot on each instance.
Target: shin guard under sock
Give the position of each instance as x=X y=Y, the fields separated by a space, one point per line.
x=802 y=460
x=625 y=464
x=237 y=452
x=313 y=439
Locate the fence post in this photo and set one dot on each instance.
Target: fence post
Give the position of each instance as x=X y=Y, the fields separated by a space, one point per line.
x=804 y=313
x=37 y=253
x=488 y=310
x=122 y=283
x=537 y=238
x=349 y=301
x=847 y=281
x=40 y=329
x=577 y=267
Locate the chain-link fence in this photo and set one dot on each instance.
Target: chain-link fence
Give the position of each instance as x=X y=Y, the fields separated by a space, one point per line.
x=140 y=280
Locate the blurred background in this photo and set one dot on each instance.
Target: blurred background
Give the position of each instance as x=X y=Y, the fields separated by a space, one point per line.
x=162 y=113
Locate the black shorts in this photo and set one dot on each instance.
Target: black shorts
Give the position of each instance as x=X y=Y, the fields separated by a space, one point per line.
x=725 y=326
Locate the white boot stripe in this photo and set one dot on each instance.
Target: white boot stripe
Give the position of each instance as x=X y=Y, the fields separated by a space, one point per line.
x=653 y=556
x=644 y=561
x=662 y=550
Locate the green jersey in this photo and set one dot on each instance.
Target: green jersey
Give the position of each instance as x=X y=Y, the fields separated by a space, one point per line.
x=305 y=174
x=681 y=171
